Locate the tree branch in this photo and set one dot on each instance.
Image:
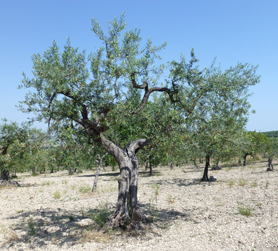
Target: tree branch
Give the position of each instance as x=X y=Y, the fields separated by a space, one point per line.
x=111 y=148
x=148 y=92
x=136 y=145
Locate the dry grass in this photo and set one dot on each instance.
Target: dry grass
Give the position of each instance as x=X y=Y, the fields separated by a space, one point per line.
x=242 y=182
x=170 y=199
x=57 y=194
x=89 y=235
x=84 y=189
x=47 y=183
x=9 y=235
x=231 y=183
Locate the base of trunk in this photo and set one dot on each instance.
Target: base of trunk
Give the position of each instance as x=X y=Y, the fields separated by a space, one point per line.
x=270 y=165
x=5 y=175
x=119 y=220
x=210 y=179
x=9 y=183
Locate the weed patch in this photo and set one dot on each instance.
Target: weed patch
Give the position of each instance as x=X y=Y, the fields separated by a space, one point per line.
x=31 y=225
x=57 y=194
x=100 y=215
x=84 y=189
x=245 y=210
x=242 y=182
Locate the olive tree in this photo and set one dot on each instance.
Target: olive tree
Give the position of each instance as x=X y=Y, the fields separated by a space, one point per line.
x=252 y=143
x=271 y=148
x=13 y=138
x=63 y=88
x=220 y=117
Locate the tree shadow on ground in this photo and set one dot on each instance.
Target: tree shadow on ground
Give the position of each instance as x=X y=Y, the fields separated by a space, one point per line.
x=66 y=228
x=61 y=227
x=112 y=174
x=147 y=174
x=163 y=218
x=179 y=182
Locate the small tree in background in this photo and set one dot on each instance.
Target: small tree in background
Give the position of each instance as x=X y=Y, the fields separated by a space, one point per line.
x=271 y=151
x=220 y=117
x=13 y=140
x=252 y=143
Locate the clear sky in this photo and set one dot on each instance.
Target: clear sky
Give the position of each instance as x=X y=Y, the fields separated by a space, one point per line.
x=233 y=31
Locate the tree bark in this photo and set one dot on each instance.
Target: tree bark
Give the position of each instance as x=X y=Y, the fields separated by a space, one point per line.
x=5 y=179
x=270 y=165
x=171 y=165
x=70 y=171
x=100 y=159
x=151 y=167
x=147 y=165
x=127 y=213
x=244 y=159
x=34 y=170
x=205 y=175
x=5 y=175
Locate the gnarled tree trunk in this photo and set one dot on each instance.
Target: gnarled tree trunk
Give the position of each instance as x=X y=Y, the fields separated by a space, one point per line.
x=127 y=213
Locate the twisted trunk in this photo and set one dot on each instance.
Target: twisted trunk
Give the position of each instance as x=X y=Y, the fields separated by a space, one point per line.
x=127 y=213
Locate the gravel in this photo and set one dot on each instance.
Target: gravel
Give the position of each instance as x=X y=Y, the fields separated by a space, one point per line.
x=55 y=211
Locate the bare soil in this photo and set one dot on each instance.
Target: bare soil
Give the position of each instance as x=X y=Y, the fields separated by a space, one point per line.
x=58 y=212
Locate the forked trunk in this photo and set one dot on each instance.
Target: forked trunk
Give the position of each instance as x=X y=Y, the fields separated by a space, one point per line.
x=127 y=213
x=205 y=175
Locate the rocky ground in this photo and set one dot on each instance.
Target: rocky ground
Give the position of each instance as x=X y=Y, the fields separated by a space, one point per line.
x=58 y=212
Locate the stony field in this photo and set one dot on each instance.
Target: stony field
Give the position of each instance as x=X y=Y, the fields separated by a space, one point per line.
x=58 y=212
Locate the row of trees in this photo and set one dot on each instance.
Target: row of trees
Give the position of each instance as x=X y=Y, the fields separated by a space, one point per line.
x=23 y=148
x=121 y=99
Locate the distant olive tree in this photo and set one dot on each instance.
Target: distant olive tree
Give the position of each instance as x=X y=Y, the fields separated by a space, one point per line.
x=13 y=139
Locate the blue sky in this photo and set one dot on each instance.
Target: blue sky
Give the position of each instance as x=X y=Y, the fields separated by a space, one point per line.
x=233 y=31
